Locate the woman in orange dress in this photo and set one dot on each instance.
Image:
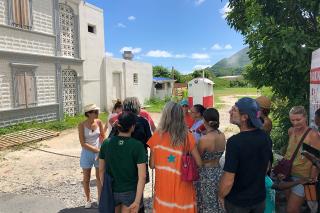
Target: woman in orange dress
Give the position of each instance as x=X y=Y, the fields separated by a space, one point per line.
x=166 y=149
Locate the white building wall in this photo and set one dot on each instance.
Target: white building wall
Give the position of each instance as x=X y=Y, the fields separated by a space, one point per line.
x=3 y=12
x=17 y=40
x=92 y=51
x=42 y=12
x=142 y=90
x=5 y=85
x=45 y=83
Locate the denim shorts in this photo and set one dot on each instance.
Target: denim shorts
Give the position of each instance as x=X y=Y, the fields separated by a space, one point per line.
x=298 y=189
x=125 y=198
x=88 y=159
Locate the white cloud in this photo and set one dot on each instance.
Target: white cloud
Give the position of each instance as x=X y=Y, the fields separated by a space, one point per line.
x=132 y=49
x=131 y=18
x=198 y=2
x=120 y=25
x=109 y=54
x=159 y=54
x=228 y=47
x=216 y=47
x=221 y=47
x=225 y=10
x=200 y=56
x=180 y=56
x=201 y=66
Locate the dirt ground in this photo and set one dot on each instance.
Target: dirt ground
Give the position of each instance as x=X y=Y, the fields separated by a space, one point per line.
x=34 y=172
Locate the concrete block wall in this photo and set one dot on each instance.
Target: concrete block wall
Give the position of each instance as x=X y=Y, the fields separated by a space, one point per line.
x=40 y=113
x=46 y=90
x=3 y=12
x=42 y=12
x=23 y=41
x=5 y=102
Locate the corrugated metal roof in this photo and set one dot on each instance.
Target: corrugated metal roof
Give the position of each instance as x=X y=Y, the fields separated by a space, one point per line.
x=162 y=79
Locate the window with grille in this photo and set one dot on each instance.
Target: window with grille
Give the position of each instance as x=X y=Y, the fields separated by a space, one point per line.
x=21 y=14
x=135 y=78
x=24 y=89
x=67 y=30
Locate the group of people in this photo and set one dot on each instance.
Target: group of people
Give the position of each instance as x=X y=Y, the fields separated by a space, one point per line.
x=234 y=174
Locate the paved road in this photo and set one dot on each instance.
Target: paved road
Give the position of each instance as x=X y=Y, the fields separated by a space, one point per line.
x=11 y=203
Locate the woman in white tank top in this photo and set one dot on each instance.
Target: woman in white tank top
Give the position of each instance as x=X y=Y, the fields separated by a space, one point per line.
x=91 y=135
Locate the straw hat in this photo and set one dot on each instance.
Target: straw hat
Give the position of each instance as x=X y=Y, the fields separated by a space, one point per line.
x=264 y=102
x=90 y=107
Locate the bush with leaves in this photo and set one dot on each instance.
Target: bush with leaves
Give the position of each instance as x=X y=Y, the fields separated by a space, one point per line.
x=281 y=35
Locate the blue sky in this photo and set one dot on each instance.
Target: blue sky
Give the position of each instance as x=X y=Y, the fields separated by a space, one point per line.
x=186 y=34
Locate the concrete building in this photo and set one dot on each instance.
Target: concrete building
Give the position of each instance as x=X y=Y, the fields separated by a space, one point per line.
x=162 y=87
x=127 y=78
x=51 y=58
x=52 y=62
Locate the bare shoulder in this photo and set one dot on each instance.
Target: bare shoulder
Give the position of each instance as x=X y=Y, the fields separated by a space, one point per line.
x=81 y=125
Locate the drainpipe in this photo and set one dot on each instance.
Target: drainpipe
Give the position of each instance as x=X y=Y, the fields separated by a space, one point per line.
x=124 y=79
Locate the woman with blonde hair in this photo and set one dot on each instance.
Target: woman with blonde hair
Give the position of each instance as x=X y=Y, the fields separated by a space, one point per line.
x=301 y=167
x=167 y=146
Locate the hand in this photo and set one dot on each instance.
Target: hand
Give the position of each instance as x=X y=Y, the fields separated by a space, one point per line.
x=307 y=181
x=281 y=177
x=221 y=202
x=134 y=207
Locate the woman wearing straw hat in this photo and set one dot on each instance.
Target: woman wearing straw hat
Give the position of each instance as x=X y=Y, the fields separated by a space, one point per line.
x=91 y=135
x=265 y=106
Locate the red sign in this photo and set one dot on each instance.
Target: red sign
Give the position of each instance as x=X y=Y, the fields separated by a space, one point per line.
x=315 y=75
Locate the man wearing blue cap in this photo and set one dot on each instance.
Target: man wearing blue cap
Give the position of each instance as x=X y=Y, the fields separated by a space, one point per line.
x=248 y=153
x=187 y=117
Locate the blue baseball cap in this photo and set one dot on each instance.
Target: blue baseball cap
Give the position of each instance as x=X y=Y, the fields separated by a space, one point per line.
x=184 y=102
x=250 y=107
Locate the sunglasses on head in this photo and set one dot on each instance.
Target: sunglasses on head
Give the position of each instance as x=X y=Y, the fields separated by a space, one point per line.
x=93 y=111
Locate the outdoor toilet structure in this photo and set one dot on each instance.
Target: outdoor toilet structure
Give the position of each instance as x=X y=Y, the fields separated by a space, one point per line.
x=200 y=91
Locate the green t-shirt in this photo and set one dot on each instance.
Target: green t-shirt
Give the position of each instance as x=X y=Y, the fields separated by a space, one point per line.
x=122 y=154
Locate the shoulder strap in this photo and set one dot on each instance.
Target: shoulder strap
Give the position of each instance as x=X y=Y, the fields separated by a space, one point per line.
x=299 y=145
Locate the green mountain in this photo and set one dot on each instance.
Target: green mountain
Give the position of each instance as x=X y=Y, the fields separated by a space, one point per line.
x=233 y=65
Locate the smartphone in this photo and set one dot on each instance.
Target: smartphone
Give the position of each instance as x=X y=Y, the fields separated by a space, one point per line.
x=310 y=149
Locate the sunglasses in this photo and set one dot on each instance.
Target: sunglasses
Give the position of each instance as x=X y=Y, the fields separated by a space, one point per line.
x=185 y=106
x=93 y=111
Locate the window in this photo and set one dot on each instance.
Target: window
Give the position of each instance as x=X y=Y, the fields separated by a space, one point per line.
x=67 y=30
x=24 y=89
x=135 y=78
x=21 y=14
x=158 y=86
x=91 y=28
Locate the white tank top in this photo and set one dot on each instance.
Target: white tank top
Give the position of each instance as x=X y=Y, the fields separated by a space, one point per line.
x=92 y=137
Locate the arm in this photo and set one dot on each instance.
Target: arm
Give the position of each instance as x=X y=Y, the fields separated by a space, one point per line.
x=226 y=184
x=102 y=165
x=195 y=154
x=151 y=160
x=102 y=130
x=201 y=145
x=315 y=142
x=81 y=139
x=286 y=185
x=134 y=207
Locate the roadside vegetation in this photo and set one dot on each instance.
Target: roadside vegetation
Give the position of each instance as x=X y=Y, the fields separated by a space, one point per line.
x=67 y=123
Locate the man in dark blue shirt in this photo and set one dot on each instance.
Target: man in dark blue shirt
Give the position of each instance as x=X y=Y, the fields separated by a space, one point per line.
x=242 y=185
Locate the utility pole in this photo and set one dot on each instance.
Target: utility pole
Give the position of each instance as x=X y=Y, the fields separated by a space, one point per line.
x=172 y=72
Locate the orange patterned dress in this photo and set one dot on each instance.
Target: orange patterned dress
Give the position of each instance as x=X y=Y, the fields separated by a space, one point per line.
x=171 y=193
